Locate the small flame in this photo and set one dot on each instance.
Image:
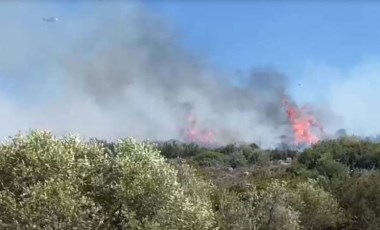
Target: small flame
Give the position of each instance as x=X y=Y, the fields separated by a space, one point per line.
x=196 y=135
x=302 y=124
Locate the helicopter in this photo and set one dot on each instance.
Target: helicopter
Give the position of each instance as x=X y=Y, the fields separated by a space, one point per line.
x=50 y=19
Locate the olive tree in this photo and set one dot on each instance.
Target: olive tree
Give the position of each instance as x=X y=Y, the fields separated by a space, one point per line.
x=67 y=183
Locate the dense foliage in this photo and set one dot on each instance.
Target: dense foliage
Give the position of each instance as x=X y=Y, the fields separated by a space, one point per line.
x=50 y=183
x=68 y=183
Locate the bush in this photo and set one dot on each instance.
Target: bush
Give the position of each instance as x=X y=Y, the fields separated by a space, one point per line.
x=175 y=149
x=359 y=194
x=252 y=209
x=318 y=209
x=209 y=158
x=328 y=167
x=323 y=165
x=236 y=159
x=235 y=213
x=282 y=152
x=228 y=149
x=50 y=183
x=304 y=204
x=276 y=204
x=351 y=152
x=171 y=149
x=41 y=183
x=280 y=205
x=252 y=155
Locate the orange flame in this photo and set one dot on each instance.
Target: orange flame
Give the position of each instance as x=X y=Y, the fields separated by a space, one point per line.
x=302 y=124
x=195 y=135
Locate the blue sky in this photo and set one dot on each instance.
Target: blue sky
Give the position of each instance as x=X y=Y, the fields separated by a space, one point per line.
x=292 y=37
x=243 y=34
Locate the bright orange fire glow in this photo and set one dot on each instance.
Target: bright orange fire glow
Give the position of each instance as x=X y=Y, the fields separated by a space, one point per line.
x=302 y=124
x=196 y=135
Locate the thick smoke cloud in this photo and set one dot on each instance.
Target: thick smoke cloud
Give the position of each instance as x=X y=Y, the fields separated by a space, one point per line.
x=141 y=74
x=127 y=74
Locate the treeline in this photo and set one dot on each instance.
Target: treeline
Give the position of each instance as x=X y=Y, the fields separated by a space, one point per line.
x=67 y=183
x=232 y=155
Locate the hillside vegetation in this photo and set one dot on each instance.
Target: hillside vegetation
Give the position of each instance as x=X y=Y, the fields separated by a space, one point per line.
x=67 y=183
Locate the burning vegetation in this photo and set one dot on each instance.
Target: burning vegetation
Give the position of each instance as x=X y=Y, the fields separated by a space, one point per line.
x=307 y=130
x=194 y=134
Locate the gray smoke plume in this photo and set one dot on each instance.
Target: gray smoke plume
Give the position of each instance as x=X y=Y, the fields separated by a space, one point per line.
x=143 y=77
x=127 y=74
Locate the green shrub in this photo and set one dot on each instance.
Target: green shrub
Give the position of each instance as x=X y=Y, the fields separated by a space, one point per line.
x=318 y=209
x=42 y=183
x=349 y=151
x=277 y=207
x=50 y=183
x=252 y=155
x=235 y=213
x=323 y=165
x=236 y=159
x=171 y=149
x=280 y=205
x=228 y=149
x=174 y=149
x=360 y=196
x=209 y=158
x=266 y=209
